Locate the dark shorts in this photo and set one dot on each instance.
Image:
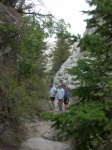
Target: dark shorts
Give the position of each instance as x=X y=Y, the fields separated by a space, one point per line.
x=65 y=101
x=59 y=99
x=52 y=98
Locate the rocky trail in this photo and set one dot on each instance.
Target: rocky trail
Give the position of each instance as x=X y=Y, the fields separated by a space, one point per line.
x=40 y=136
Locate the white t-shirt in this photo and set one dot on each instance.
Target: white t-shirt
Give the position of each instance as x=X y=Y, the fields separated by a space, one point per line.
x=53 y=91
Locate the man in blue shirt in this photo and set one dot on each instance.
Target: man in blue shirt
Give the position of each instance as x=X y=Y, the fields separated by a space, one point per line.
x=60 y=96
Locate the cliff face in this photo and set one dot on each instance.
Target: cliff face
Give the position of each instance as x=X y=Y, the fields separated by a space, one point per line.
x=62 y=76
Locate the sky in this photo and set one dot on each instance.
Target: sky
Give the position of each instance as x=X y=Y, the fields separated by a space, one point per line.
x=69 y=10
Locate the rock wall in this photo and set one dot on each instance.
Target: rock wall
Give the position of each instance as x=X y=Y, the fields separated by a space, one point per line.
x=62 y=76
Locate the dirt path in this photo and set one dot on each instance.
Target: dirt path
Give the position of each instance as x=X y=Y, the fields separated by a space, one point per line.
x=41 y=136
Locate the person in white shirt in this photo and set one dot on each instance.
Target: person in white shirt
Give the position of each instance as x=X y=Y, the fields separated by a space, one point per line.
x=60 y=96
x=53 y=91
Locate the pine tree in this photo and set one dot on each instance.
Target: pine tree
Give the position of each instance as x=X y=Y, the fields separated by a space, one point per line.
x=64 y=40
x=89 y=121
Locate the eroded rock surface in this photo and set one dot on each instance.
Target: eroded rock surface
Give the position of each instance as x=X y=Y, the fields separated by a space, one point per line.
x=43 y=144
x=40 y=136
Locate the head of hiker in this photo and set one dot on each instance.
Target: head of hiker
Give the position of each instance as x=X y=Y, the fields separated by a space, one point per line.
x=60 y=85
x=66 y=88
x=51 y=86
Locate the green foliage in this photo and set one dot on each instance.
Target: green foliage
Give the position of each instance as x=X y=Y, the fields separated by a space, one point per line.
x=26 y=68
x=23 y=85
x=89 y=121
x=86 y=123
x=46 y=115
x=23 y=89
x=7 y=33
x=25 y=98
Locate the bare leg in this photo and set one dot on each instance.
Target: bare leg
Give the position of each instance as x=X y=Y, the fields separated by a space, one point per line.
x=60 y=102
x=53 y=104
x=66 y=107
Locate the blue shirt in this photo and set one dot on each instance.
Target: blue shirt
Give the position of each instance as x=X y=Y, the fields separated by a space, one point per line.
x=67 y=94
x=60 y=93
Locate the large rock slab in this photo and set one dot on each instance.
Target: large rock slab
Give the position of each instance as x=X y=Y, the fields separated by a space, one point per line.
x=41 y=136
x=62 y=75
x=43 y=144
